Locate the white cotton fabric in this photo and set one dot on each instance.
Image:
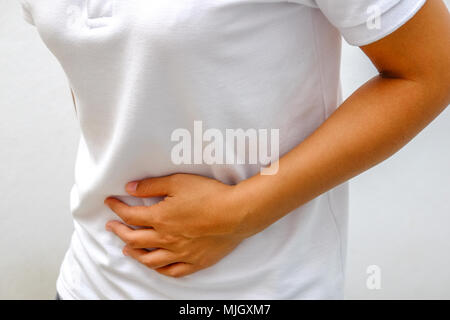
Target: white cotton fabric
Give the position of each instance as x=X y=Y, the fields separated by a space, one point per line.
x=139 y=69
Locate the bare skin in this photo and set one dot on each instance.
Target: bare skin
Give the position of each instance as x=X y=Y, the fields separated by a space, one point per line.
x=201 y=220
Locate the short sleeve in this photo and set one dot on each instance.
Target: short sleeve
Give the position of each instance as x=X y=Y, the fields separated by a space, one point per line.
x=26 y=11
x=365 y=21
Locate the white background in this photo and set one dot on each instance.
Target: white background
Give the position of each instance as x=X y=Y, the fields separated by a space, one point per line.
x=400 y=210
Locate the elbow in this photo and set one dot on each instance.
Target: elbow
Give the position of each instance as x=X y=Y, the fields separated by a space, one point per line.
x=443 y=89
x=437 y=85
x=439 y=81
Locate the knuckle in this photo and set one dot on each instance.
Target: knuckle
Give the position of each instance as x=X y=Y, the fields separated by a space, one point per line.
x=168 y=238
x=131 y=219
x=125 y=236
x=149 y=263
x=142 y=187
x=174 y=273
x=132 y=241
x=126 y=218
x=116 y=208
x=184 y=255
x=184 y=246
x=158 y=219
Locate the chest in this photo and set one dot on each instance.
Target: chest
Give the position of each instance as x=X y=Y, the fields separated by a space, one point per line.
x=162 y=23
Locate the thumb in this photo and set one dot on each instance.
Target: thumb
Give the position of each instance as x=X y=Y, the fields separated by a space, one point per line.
x=151 y=187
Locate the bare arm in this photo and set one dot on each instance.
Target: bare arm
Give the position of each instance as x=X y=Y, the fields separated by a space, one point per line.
x=412 y=88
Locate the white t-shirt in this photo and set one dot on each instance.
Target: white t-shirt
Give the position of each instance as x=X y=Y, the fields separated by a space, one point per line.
x=140 y=69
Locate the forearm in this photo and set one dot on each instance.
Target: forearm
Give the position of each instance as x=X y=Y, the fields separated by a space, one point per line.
x=371 y=125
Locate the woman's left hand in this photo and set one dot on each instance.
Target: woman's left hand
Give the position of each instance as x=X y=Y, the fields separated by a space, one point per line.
x=194 y=227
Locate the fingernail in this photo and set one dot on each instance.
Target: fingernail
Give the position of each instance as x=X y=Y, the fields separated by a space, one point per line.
x=131 y=186
x=108 y=227
x=125 y=251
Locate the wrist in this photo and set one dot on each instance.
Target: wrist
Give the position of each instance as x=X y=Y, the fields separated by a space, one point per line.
x=246 y=205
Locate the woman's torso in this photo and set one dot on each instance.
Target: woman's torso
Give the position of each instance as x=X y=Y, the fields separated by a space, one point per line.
x=140 y=70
